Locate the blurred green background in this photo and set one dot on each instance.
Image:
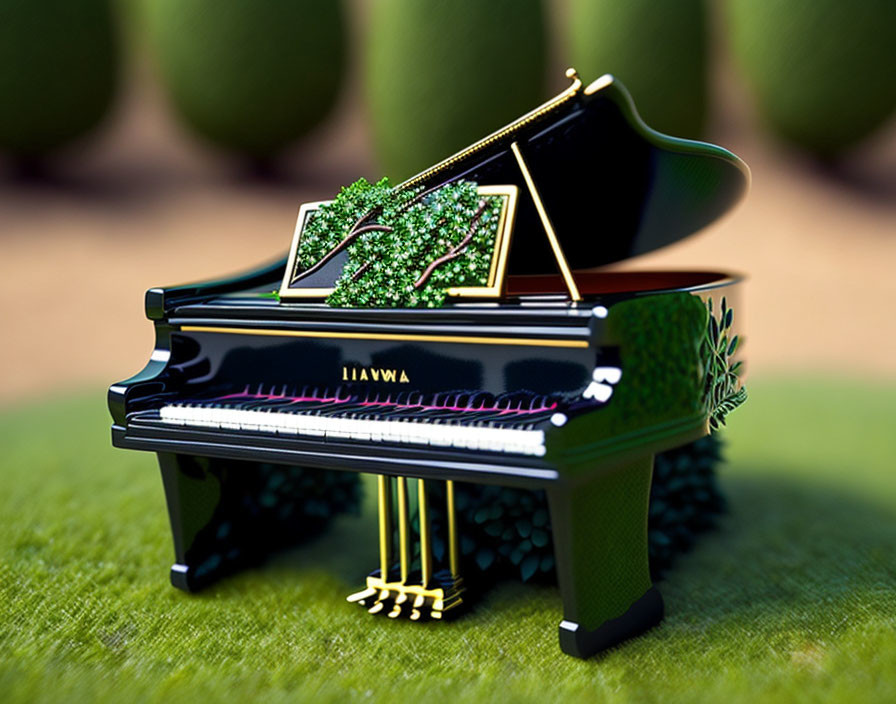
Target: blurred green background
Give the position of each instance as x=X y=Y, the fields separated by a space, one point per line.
x=151 y=142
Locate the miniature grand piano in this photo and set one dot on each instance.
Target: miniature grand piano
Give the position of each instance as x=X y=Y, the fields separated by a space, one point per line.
x=549 y=374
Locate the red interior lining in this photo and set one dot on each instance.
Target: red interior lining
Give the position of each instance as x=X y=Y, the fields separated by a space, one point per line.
x=595 y=283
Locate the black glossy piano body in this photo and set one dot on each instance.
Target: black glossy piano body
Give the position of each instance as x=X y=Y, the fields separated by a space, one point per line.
x=611 y=378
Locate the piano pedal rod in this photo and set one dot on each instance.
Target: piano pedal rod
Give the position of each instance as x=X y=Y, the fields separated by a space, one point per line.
x=384 y=511
x=430 y=597
x=404 y=527
x=425 y=534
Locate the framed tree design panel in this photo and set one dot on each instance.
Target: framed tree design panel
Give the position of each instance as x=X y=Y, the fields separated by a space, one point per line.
x=377 y=247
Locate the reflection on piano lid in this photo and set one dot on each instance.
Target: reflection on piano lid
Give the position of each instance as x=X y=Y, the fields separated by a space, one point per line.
x=532 y=373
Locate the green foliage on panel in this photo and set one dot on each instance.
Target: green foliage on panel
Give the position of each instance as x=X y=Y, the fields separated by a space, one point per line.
x=724 y=390
x=252 y=76
x=443 y=73
x=657 y=49
x=821 y=71
x=660 y=341
x=405 y=247
x=58 y=71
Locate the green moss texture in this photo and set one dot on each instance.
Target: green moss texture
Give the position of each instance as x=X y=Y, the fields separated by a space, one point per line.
x=443 y=73
x=58 y=72
x=821 y=71
x=658 y=50
x=252 y=76
x=660 y=342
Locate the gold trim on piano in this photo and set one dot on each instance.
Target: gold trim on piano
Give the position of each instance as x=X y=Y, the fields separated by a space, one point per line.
x=553 y=103
x=304 y=211
x=494 y=284
x=460 y=339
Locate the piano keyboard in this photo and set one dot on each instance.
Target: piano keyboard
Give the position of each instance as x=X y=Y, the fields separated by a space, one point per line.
x=471 y=420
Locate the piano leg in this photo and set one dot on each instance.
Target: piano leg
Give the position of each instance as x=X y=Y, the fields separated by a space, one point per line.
x=600 y=547
x=193 y=495
x=227 y=515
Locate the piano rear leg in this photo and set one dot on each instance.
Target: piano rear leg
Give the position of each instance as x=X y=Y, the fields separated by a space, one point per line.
x=600 y=547
x=227 y=515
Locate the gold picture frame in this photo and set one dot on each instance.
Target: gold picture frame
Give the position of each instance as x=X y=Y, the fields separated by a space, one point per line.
x=497 y=270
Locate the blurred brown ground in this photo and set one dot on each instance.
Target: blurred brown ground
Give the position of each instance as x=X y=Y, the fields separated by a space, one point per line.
x=144 y=205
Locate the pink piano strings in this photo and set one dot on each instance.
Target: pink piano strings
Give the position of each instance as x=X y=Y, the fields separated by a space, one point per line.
x=388 y=403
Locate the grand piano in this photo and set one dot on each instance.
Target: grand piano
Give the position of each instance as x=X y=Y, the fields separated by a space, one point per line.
x=263 y=399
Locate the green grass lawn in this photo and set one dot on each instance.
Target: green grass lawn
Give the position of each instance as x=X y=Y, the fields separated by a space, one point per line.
x=793 y=598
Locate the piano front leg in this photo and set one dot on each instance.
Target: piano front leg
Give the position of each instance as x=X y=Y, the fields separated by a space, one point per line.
x=600 y=547
x=227 y=515
x=193 y=492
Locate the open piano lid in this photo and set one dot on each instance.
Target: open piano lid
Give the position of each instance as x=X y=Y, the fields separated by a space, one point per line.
x=613 y=187
x=595 y=184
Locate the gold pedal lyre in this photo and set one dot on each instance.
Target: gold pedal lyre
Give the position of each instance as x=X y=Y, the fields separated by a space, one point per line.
x=422 y=595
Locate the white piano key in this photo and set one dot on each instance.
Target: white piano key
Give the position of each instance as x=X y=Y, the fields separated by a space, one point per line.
x=413 y=432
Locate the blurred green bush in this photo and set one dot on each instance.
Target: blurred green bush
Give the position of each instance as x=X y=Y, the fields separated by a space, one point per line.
x=253 y=76
x=822 y=71
x=658 y=50
x=58 y=72
x=441 y=74
x=249 y=75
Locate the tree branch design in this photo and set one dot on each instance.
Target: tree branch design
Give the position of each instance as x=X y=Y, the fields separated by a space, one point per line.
x=456 y=251
x=349 y=238
x=412 y=228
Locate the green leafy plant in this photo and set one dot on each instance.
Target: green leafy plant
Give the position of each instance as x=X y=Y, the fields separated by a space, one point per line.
x=405 y=247
x=724 y=391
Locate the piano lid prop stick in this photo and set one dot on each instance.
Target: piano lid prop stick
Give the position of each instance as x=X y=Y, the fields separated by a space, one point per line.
x=453 y=552
x=404 y=545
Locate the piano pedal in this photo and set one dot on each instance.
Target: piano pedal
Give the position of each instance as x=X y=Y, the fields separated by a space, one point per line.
x=419 y=601
x=361 y=597
x=412 y=600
